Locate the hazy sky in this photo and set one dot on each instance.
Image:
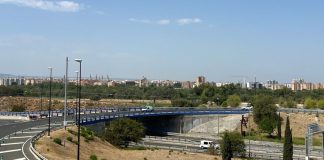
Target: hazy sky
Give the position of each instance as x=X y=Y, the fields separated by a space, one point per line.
x=165 y=39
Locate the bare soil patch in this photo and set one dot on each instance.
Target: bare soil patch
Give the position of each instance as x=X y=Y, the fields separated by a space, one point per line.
x=104 y=150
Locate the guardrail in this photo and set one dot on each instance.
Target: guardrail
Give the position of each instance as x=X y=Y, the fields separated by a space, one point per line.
x=102 y=118
x=37 y=137
x=298 y=110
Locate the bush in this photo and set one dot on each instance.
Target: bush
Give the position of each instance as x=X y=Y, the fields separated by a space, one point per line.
x=69 y=139
x=87 y=134
x=122 y=131
x=93 y=157
x=233 y=100
x=18 y=108
x=58 y=141
x=73 y=132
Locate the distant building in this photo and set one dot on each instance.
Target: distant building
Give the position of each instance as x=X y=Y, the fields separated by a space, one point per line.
x=143 y=82
x=200 y=81
x=253 y=85
x=12 y=81
x=111 y=83
x=300 y=84
x=186 y=84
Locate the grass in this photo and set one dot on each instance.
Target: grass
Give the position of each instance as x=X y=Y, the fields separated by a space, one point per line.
x=296 y=140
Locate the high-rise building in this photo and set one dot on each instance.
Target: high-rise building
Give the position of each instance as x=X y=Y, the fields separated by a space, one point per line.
x=200 y=80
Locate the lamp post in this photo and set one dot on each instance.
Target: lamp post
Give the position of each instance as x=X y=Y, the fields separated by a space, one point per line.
x=76 y=100
x=50 y=103
x=79 y=96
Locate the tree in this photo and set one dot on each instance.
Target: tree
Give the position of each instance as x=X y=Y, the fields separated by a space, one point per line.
x=288 y=144
x=279 y=127
x=265 y=113
x=310 y=103
x=232 y=144
x=320 y=104
x=122 y=131
x=234 y=100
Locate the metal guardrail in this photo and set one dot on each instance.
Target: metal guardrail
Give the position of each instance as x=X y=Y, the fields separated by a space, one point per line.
x=299 y=110
x=37 y=137
x=101 y=118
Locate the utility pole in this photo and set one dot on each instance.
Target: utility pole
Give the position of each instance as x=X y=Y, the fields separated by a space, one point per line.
x=50 y=103
x=65 y=97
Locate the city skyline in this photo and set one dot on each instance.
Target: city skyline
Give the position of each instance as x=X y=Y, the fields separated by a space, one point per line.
x=177 y=40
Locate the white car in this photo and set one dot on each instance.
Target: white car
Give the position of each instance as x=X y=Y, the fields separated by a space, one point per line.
x=205 y=144
x=147 y=109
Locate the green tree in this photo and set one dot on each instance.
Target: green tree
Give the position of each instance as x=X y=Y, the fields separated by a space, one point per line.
x=122 y=131
x=232 y=144
x=310 y=103
x=265 y=113
x=234 y=100
x=320 y=104
x=288 y=144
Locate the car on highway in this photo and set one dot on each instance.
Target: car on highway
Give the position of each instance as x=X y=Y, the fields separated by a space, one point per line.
x=205 y=144
x=247 y=107
x=147 y=109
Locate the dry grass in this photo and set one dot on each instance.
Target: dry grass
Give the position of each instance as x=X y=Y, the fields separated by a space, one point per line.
x=298 y=122
x=104 y=150
x=34 y=103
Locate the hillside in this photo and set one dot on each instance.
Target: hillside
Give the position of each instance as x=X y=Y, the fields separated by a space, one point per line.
x=104 y=150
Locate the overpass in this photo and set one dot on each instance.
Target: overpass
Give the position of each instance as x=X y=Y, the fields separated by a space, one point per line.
x=10 y=148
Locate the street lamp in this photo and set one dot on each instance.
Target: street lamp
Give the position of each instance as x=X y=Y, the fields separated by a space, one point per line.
x=79 y=96
x=50 y=103
x=76 y=101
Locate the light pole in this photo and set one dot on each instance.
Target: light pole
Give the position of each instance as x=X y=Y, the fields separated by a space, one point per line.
x=50 y=103
x=65 y=88
x=79 y=96
x=76 y=100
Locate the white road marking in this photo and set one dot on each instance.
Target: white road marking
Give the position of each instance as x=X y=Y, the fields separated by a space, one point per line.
x=20 y=159
x=8 y=151
x=8 y=144
x=19 y=137
x=32 y=132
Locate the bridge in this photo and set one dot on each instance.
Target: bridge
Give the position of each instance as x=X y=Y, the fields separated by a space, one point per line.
x=15 y=138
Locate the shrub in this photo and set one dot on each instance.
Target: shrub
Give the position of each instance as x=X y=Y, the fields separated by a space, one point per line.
x=69 y=139
x=18 y=108
x=58 y=141
x=93 y=157
x=72 y=132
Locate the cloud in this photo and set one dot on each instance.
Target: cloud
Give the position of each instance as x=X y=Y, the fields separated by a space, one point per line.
x=185 y=21
x=163 y=22
x=147 y=21
x=59 y=6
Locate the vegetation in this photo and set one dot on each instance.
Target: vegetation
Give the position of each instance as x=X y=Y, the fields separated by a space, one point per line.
x=121 y=132
x=58 y=141
x=233 y=100
x=93 y=157
x=179 y=97
x=69 y=139
x=232 y=144
x=87 y=134
x=264 y=113
x=288 y=145
x=18 y=108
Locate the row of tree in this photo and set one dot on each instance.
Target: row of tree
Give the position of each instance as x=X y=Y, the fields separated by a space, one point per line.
x=227 y=95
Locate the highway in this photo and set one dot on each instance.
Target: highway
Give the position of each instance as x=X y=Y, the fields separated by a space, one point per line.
x=14 y=148
x=264 y=150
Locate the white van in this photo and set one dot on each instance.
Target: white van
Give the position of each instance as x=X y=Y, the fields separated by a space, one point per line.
x=205 y=144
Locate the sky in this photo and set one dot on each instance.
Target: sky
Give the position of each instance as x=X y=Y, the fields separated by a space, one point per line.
x=223 y=40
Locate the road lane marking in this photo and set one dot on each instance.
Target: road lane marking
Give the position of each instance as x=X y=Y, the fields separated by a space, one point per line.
x=19 y=137
x=9 y=151
x=32 y=132
x=8 y=144
x=20 y=159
